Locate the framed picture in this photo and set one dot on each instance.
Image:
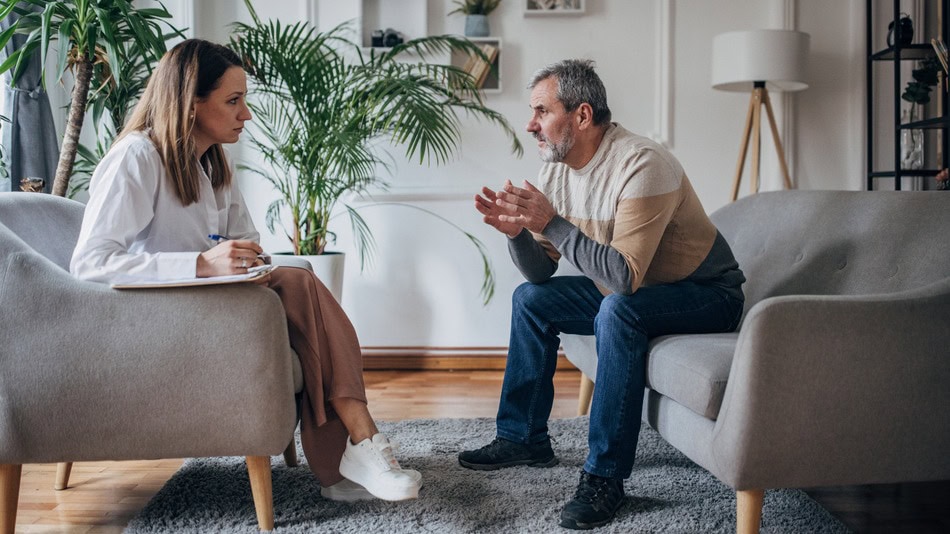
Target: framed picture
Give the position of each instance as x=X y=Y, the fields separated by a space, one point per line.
x=553 y=7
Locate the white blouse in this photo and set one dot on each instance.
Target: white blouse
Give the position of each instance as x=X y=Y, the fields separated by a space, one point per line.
x=135 y=225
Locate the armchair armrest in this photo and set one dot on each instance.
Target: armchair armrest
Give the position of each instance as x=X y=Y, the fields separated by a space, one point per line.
x=90 y=373
x=829 y=390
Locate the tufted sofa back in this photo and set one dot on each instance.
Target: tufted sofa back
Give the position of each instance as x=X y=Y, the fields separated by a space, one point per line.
x=838 y=242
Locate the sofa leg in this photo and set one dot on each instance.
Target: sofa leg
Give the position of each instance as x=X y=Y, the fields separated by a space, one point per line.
x=587 y=392
x=62 y=475
x=749 y=511
x=290 y=453
x=258 y=470
x=9 y=495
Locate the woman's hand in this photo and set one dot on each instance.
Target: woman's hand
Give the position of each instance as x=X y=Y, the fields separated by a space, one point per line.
x=234 y=256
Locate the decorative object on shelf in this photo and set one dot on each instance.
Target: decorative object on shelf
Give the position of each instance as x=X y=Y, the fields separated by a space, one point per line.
x=32 y=184
x=756 y=60
x=554 y=7
x=476 y=15
x=904 y=30
x=943 y=180
x=924 y=79
x=479 y=67
x=392 y=38
x=324 y=112
x=912 y=143
x=917 y=92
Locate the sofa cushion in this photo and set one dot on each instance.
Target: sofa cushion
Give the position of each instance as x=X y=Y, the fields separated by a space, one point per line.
x=692 y=369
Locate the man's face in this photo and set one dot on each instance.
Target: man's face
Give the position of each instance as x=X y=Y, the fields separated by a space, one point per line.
x=550 y=124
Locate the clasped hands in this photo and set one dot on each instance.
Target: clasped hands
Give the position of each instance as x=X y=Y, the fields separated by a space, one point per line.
x=512 y=209
x=232 y=256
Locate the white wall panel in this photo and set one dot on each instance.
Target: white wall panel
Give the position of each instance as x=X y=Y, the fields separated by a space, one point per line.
x=423 y=290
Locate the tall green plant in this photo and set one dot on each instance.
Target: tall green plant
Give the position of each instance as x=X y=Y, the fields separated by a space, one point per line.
x=321 y=107
x=114 y=102
x=90 y=34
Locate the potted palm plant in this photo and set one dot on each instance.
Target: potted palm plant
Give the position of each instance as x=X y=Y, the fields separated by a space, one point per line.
x=90 y=35
x=321 y=107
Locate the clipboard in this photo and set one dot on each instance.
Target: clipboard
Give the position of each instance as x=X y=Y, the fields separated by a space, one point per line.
x=252 y=274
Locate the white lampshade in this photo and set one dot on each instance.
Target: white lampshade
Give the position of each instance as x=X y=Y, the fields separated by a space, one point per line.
x=776 y=57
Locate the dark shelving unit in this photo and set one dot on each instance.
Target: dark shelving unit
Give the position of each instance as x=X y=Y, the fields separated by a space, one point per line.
x=895 y=55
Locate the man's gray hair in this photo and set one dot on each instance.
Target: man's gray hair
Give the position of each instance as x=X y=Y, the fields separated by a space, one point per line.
x=577 y=83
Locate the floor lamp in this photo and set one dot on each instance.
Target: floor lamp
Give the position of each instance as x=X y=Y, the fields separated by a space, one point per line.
x=756 y=61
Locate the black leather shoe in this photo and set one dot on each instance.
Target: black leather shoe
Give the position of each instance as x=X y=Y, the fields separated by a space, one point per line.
x=594 y=504
x=503 y=453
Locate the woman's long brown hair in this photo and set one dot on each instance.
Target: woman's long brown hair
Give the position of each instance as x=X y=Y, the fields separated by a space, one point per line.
x=190 y=70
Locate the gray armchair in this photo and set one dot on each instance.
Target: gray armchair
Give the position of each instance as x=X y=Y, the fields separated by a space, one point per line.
x=92 y=373
x=839 y=372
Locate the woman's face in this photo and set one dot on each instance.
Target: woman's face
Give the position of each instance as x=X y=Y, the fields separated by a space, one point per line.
x=220 y=117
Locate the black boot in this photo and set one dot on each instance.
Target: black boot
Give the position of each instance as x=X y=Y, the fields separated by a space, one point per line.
x=503 y=453
x=594 y=504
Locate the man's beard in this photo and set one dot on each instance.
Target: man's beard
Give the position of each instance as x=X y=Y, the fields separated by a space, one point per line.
x=556 y=152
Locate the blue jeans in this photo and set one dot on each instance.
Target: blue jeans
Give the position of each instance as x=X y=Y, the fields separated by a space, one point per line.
x=623 y=326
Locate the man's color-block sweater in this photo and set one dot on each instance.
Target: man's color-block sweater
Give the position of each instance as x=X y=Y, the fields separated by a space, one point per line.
x=628 y=218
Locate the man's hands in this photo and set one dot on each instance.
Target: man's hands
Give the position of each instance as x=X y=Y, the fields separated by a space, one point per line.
x=514 y=208
x=233 y=256
x=488 y=206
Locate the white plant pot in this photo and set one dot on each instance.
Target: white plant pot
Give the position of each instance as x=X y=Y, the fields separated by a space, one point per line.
x=329 y=269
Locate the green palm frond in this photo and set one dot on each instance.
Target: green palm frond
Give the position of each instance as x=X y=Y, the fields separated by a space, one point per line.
x=323 y=109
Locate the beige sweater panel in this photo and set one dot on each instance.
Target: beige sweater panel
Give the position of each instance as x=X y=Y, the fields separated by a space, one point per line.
x=634 y=196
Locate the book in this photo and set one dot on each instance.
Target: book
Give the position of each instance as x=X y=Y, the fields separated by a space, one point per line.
x=941 y=49
x=254 y=273
x=481 y=68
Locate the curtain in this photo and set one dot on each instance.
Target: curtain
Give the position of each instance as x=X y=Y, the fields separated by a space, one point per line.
x=29 y=138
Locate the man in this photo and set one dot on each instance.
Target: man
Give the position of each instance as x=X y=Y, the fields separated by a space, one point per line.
x=620 y=208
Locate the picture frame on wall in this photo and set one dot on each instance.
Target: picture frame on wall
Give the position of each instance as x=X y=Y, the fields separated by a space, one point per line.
x=553 y=7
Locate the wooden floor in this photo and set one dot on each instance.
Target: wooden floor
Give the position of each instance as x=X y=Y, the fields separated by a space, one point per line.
x=104 y=496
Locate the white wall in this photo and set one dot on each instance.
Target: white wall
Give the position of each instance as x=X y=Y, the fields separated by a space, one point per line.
x=423 y=290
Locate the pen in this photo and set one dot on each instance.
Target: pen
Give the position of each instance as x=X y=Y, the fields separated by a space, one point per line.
x=219 y=238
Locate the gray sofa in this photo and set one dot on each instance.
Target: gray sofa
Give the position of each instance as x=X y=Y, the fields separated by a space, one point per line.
x=840 y=371
x=92 y=373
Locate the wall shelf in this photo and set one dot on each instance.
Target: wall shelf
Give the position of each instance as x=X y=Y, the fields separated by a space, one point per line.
x=893 y=56
x=492 y=83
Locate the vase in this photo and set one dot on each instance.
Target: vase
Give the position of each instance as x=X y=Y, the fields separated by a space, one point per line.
x=912 y=145
x=329 y=269
x=476 y=26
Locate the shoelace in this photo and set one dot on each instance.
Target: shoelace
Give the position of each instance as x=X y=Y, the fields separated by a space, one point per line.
x=388 y=453
x=591 y=489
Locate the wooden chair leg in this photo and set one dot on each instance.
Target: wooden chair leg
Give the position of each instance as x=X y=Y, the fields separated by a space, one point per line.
x=62 y=475
x=749 y=511
x=9 y=495
x=587 y=392
x=290 y=453
x=258 y=470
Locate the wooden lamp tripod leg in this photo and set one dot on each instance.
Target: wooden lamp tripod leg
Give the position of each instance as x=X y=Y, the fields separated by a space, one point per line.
x=778 y=143
x=744 y=146
x=756 y=138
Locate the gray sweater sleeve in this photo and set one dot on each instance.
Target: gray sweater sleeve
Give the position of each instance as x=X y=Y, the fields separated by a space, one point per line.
x=530 y=258
x=601 y=263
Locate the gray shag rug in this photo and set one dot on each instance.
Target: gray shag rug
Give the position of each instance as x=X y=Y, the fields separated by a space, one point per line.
x=666 y=492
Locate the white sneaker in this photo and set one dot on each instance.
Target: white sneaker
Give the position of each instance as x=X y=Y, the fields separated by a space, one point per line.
x=348 y=491
x=371 y=464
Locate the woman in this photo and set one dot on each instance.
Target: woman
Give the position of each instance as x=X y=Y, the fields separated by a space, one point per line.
x=165 y=186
